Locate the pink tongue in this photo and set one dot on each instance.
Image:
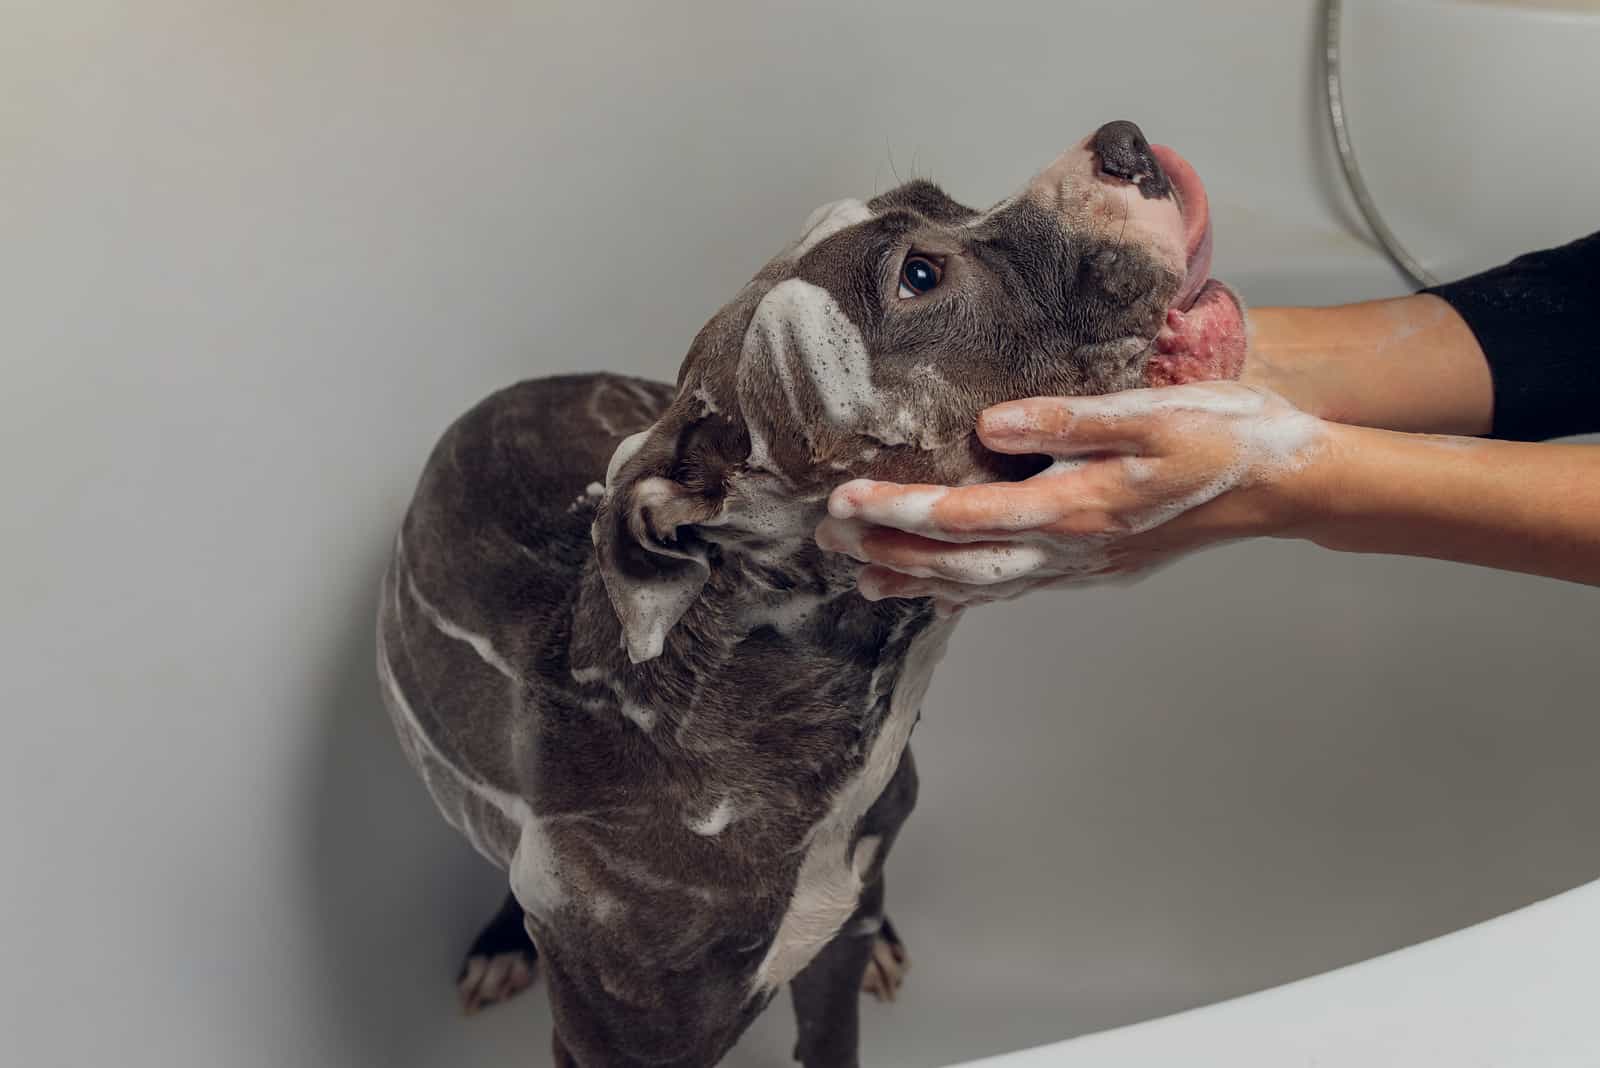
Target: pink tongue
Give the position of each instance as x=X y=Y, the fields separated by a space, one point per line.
x=1204 y=336
x=1196 y=211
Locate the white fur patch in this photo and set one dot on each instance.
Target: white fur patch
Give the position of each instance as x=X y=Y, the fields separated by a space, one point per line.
x=831 y=873
x=714 y=822
x=535 y=874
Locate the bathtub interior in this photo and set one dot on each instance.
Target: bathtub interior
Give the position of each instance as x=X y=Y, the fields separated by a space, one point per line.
x=264 y=256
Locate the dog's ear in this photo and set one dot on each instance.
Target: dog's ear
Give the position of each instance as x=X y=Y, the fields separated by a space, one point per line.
x=662 y=484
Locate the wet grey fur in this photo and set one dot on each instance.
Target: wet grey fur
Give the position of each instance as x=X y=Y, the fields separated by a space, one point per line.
x=514 y=592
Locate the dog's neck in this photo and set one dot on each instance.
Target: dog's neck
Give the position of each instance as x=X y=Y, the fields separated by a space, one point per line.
x=774 y=613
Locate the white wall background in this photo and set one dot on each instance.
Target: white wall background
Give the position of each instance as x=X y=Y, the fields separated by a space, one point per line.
x=254 y=256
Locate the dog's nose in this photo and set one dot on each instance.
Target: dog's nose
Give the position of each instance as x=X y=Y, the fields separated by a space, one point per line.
x=1124 y=155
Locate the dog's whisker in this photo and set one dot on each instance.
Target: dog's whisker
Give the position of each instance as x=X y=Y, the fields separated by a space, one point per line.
x=1127 y=210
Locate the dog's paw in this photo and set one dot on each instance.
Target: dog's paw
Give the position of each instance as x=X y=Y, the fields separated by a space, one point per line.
x=887 y=966
x=488 y=980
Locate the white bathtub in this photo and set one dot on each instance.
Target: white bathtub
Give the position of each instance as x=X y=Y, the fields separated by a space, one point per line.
x=256 y=256
x=1516 y=990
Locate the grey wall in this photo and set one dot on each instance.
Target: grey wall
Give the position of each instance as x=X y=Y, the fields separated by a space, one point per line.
x=254 y=256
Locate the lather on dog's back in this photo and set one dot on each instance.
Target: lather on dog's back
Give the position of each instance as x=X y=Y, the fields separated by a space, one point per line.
x=627 y=674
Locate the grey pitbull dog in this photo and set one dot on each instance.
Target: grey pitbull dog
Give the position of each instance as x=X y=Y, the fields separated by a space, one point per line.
x=624 y=670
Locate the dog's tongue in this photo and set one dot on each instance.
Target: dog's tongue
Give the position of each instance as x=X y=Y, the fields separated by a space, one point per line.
x=1196 y=209
x=1204 y=337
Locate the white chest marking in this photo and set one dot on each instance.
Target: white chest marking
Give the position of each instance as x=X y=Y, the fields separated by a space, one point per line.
x=831 y=873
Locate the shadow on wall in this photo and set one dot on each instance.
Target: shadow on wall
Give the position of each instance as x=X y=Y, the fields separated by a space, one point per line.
x=393 y=893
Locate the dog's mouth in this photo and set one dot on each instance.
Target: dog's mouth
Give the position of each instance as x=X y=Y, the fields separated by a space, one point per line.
x=1203 y=337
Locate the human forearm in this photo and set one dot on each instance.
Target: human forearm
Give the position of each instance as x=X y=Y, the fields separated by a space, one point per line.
x=1518 y=507
x=1405 y=364
x=1151 y=474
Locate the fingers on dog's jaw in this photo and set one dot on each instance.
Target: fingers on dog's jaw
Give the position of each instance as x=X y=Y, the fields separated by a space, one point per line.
x=908 y=555
x=994 y=510
x=964 y=515
x=951 y=598
x=886 y=503
x=954 y=597
x=841 y=536
x=1066 y=426
x=975 y=564
x=844 y=499
x=1018 y=426
x=854 y=498
x=881 y=583
x=961 y=514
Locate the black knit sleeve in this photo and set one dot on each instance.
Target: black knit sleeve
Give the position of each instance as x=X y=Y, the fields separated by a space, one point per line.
x=1537 y=319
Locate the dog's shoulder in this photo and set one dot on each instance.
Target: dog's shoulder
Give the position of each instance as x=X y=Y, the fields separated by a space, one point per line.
x=501 y=514
x=525 y=453
x=491 y=555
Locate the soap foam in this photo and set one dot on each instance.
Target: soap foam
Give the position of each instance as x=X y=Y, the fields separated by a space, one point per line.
x=828 y=220
x=714 y=822
x=798 y=326
x=1268 y=438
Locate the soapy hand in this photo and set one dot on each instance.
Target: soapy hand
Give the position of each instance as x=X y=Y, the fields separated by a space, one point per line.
x=1138 y=478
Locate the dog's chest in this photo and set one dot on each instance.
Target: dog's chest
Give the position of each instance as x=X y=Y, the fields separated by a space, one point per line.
x=836 y=862
x=571 y=848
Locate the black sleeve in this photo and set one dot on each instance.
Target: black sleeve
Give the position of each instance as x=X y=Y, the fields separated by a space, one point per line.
x=1537 y=319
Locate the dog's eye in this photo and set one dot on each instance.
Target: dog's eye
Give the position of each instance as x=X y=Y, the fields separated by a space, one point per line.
x=919 y=275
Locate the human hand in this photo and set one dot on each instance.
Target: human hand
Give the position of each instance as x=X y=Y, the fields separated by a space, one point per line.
x=1139 y=478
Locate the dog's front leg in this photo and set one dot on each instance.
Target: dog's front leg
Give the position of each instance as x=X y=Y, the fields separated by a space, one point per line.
x=827 y=992
x=558 y=1049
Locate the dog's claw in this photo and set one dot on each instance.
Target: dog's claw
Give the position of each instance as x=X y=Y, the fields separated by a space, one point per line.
x=886 y=967
x=488 y=981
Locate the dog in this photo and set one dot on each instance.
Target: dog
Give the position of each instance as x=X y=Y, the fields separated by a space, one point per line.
x=615 y=655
